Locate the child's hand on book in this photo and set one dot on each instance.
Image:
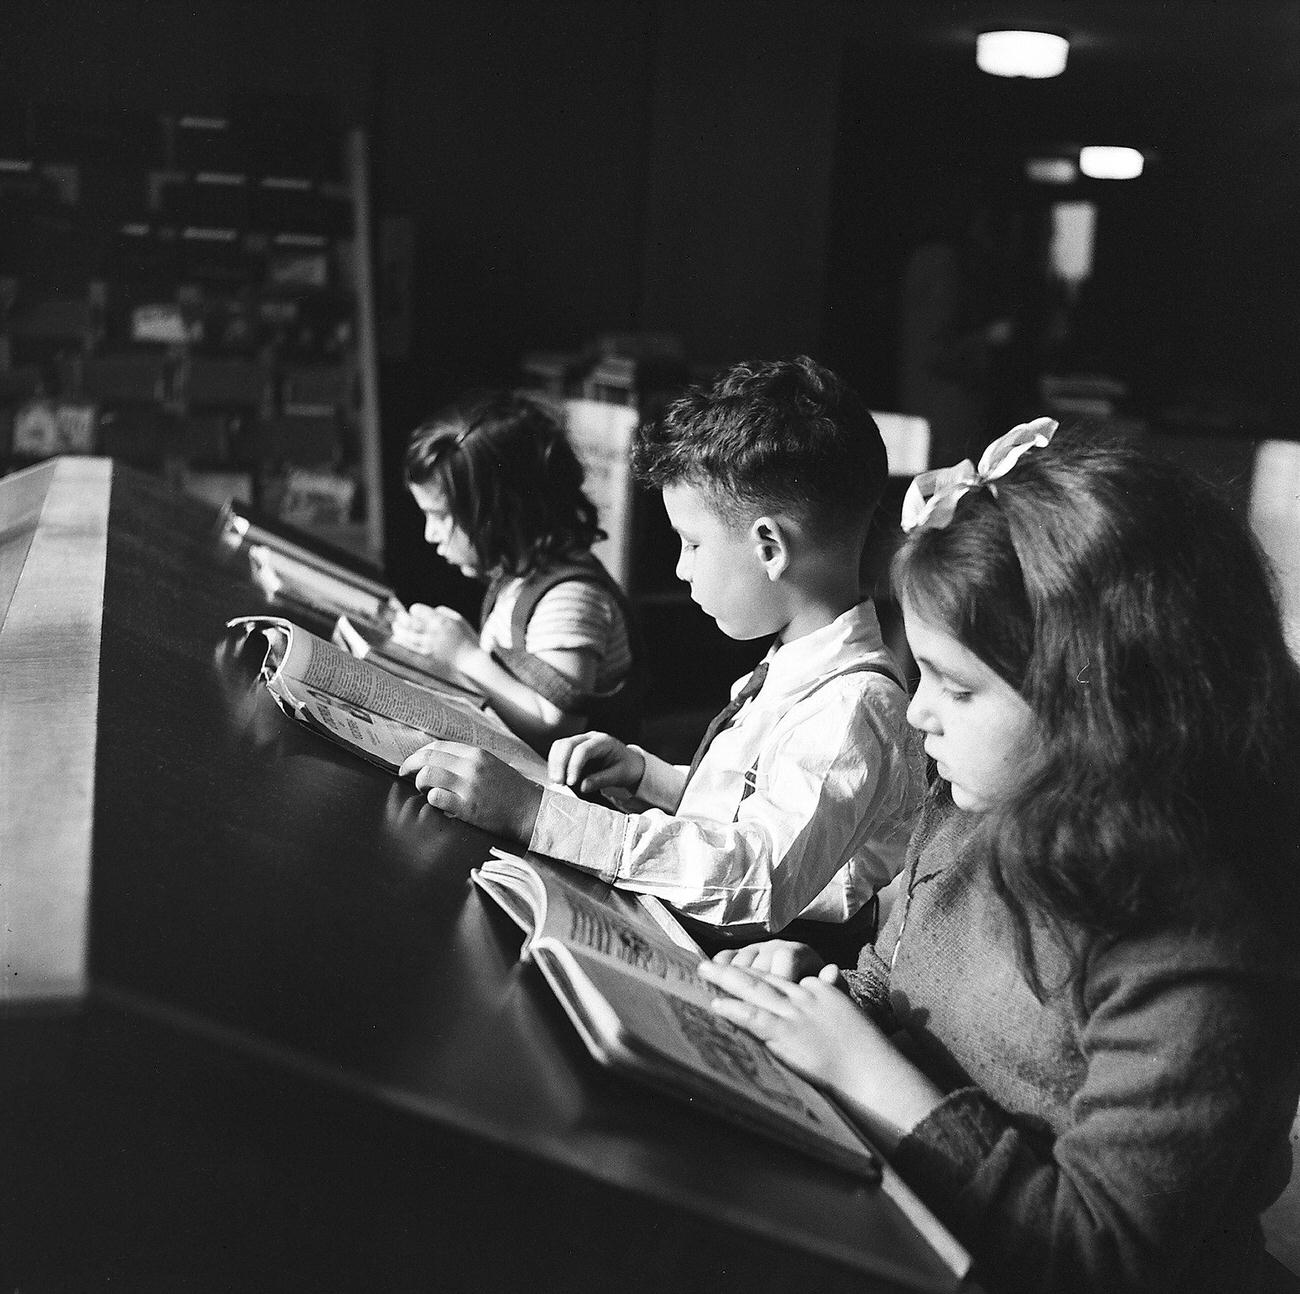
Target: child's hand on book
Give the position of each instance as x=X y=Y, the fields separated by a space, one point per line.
x=780 y=958
x=595 y=761
x=435 y=631
x=468 y=783
x=804 y=1023
x=819 y=1032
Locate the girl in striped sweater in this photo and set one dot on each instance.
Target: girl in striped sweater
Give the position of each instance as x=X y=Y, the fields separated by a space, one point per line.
x=501 y=492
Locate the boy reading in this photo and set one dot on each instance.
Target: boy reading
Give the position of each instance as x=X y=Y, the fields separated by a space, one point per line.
x=803 y=794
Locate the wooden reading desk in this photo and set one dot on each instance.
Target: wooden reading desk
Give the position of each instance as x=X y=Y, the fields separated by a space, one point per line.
x=259 y=1032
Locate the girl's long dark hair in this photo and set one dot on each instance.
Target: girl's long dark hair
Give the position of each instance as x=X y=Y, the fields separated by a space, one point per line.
x=511 y=480
x=1134 y=613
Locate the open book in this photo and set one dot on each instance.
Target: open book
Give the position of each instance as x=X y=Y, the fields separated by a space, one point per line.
x=373 y=642
x=625 y=973
x=293 y=568
x=287 y=577
x=369 y=710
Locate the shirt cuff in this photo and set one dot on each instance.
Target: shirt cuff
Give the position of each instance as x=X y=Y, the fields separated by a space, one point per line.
x=584 y=835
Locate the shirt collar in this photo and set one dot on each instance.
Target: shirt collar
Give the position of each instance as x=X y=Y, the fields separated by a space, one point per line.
x=850 y=636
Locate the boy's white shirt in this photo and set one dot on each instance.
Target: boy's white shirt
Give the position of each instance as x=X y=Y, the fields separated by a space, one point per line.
x=840 y=777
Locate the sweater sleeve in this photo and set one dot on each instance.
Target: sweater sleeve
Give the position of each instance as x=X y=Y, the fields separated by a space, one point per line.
x=1177 y=1138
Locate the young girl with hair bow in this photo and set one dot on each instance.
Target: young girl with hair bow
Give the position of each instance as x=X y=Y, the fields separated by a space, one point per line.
x=1077 y=1034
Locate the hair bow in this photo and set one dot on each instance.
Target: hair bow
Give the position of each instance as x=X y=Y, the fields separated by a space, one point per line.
x=932 y=497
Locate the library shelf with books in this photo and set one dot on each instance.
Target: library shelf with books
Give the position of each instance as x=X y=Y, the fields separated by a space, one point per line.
x=190 y=292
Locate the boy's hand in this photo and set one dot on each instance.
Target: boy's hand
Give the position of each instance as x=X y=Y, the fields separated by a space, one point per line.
x=435 y=631
x=468 y=783
x=592 y=761
x=780 y=958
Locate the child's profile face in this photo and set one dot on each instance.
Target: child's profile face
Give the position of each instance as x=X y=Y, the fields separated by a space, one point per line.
x=720 y=563
x=978 y=729
x=441 y=530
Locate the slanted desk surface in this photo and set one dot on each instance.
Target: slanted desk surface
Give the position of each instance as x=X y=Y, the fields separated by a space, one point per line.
x=287 y=1044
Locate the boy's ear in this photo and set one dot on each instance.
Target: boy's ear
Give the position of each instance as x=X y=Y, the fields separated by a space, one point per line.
x=771 y=545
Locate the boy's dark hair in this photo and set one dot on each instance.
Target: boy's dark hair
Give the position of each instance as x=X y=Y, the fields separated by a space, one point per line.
x=510 y=478
x=1130 y=608
x=786 y=436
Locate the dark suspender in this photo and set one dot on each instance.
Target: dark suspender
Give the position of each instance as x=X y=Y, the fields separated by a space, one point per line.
x=617 y=712
x=865 y=667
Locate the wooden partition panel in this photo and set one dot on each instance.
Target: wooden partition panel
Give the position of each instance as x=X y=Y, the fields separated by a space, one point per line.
x=53 y=533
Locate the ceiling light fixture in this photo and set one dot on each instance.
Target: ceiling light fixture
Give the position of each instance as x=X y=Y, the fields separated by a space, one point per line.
x=1035 y=54
x=1104 y=162
x=1051 y=170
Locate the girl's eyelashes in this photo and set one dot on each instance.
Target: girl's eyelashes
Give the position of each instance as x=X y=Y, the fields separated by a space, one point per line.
x=949 y=687
x=954 y=687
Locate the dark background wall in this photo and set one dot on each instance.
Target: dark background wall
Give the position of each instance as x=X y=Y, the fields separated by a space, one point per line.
x=591 y=167
x=748 y=174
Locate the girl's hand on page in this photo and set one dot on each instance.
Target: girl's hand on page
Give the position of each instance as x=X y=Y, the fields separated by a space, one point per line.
x=819 y=1031
x=780 y=958
x=592 y=761
x=811 y=1025
x=468 y=783
x=435 y=631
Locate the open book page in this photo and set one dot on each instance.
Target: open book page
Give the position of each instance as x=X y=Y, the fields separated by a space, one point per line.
x=368 y=709
x=661 y=915
x=375 y=644
x=243 y=524
x=623 y=969
x=672 y=1040
x=330 y=590
x=616 y=927
x=638 y=1002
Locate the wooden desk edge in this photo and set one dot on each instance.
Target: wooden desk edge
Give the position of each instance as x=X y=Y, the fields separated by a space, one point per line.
x=56 y=515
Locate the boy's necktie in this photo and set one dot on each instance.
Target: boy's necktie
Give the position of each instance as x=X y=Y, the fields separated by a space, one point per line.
x=727 y=714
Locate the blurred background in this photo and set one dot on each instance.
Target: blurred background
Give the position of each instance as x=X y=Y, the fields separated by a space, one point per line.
x=606 y=198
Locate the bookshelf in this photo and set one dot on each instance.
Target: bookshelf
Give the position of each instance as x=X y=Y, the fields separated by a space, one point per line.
x=190 y=292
